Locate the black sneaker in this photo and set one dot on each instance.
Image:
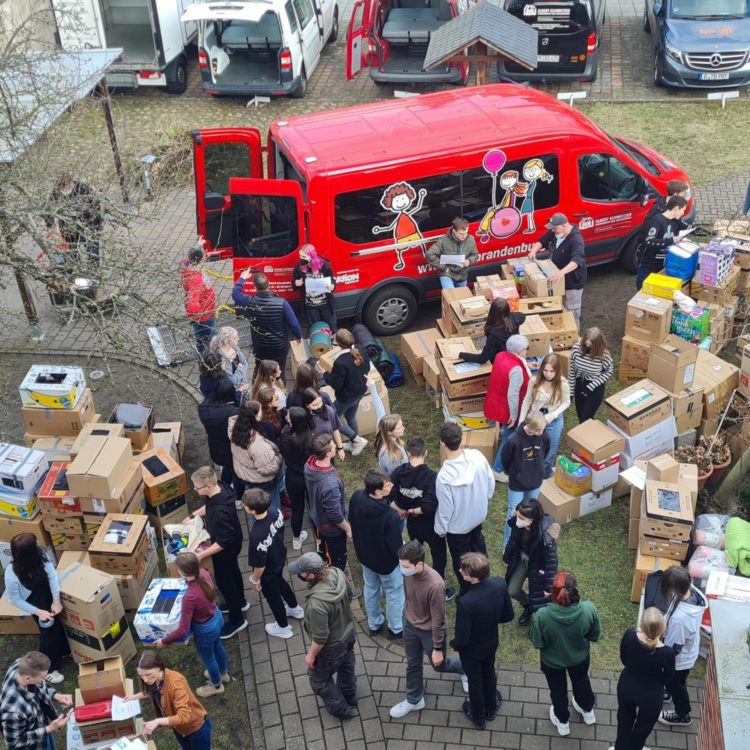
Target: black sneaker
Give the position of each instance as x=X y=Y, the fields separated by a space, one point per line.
x=351 y=702
x=377 y=630
x=450 y=594
x=345 y=714
x=478 y=723
x=395 y=636
x=498 y=700
x=232 y=628
x=224 y=608
x=525 y=617
x=667 y=697
x=670 y=718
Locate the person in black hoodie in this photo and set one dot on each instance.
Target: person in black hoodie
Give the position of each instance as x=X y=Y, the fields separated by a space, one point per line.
x=659 y=232
x=214 y=414
x=316 y=306
x=223 y=526
x=565 y=244
x=413 y=497
x=531 y=553
x=479 y=611
x=376 y=532
x=500 y=326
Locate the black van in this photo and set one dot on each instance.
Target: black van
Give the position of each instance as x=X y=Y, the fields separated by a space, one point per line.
x=569 y=35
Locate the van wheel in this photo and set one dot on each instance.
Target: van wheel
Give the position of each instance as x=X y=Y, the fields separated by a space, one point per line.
x=301 y=90
x=631 y=254
x=335 y=26
x=390 y=310
x=177 y=79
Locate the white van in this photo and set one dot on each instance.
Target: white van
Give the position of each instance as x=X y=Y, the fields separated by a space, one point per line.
x=268 y=47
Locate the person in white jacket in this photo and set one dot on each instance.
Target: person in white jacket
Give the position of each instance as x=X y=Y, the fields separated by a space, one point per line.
x=464 y=486
x=685 y=607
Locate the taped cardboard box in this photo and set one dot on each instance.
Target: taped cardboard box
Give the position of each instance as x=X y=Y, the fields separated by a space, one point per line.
x=14 y=621
x=687 y=408
x=667 y=511
x=163 y=477
x=159 y=613
x=492 y=287
x=52 y=387
x=101 y=680
x=21 y=469
x=417 y=345
x=654 y=546
x=663 y=469
x=137 y=420
x=718 y=379
x=485 y=441
x=121 y=544
x=60 y=422
x=565 y=508
x=652 y=442
x=468 y=316
x=90 y=599
x=117 y=640
x=635 y=353
x=451 y=348
x=105 y=731
x=54 y=495
x=537 y=278
x=538 y=335
x=594 y=441
x=644 y=566
x=132 y=491
x=55 y=448
x=567 y=335
x=638 y=407
x=101 y=467
x=97 y=429
x=672 y=363
x=648 y=318
x=178 y=435
x=450 y=295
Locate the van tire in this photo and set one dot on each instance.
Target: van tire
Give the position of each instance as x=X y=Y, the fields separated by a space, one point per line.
x=177 y=76
x=301 y=90
x=390 y=310
x=628 y=255
x=334 y=26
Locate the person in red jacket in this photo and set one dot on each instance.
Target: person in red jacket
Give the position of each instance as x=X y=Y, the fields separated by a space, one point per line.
x=509 y=382
x=200 y=298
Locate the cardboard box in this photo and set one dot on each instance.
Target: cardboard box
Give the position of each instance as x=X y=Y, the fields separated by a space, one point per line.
x=542 y=306
x=300 y=353
x=18 y=506
x=172 y=511
x=492 y=287
x=604 y=474
x=744 y=374
x=100 y=468
x=567 y=335
x=594 y=442
x=671 y=363
x=628 y=374
x=460 y=379
x=131 y=493
x=178 y=434
x=132 y=588
x=137 y=420
x=718 y=379
x=52 y=387
x=54 y=495
x=69 y=542
x=105 y=731
x=121 y=544
x=667 y=511
x=9 y=527
x=537 y=279
x=14 y=621
x=97 y=429
x=431 y=373
x=634 y=530
x=21 y=469
x=451 y=348
x=100 y=680
x=654 y=546
x=91 y=602
x=663 y=469
x=55 y=448
x=470 y=322
x=534 y=329
x=647 y=444
x=449 y=295
x=417 y=345
x=565 y=508
x=638 y=407
x=159 y=613
x=464 y=405
x=59 y=422
x=66 y=524
x=163 y=477
x=485 y=441
x=635 y=353
x=648 y=318
x=564 y=357
x=687 y=408
x=644 y=565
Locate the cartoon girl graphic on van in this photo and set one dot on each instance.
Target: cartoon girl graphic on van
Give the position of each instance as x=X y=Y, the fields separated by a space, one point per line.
x=500 y=220
x=399 y=199
x=533 y=171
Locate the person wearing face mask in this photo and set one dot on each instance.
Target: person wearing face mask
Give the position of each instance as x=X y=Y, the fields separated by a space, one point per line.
x=565 y=244
x=549 y=394
x=329 y=624
x=531 y=553
x=425 y=629
x=316 y=306
x=325 y=419
x=590 y=368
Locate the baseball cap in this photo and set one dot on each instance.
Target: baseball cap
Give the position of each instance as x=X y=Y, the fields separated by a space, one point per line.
x=556 y=220
x=310 y=562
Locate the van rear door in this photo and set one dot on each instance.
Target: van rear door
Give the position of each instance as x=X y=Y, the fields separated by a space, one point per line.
x=218 y=155
x=357 y=39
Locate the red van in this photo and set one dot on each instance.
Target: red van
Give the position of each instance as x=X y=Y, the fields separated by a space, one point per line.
x=372 y=186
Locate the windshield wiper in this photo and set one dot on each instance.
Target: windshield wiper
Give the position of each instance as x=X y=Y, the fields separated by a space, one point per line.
x=708 y=18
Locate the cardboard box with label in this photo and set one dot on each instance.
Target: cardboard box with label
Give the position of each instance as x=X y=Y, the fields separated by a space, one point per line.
x=9 y=527
x=100 y=680
x=648 y=318
x=121 y=544
x=131 y=493
x=21 y=469
x=537 y=277
x=465 y=405
x=534 y=329
x=14 y=621
x=460 y=379
x=667 y=510
x=645 y=565
x=417 y=345
x=565 y=508
x=60 y=422
x=594 y=441
x=52 y=387
x=718 y=379
x=451 y=295
x=101 y=467
x=671 y=363
x=652 y=442
x=567 y=335
x=638 y=407
x=55 y=496
x=635 y=353
x=468 y=316
x=163 y=477
x=492 y=287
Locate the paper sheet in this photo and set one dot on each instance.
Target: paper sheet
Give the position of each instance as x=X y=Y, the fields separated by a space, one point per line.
x=122 y=710
x=317 y=285
x=452 y=260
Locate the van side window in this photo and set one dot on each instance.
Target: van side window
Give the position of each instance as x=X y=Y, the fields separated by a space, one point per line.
x=265 y=225
x=304 y=11
x=285 y=170
x=603 y=177
x=292 y=18
x=225 y=160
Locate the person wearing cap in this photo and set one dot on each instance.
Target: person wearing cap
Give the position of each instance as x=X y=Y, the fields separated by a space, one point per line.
x=329 y=625
x=564 y=242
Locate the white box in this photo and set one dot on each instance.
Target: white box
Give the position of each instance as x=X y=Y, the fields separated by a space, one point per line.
x=159 y=612
x=648 y=444
x=52 y=387
x=21 y=469
x=593 y=501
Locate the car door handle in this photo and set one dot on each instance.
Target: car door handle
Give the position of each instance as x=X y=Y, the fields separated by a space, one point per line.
x=578 y=216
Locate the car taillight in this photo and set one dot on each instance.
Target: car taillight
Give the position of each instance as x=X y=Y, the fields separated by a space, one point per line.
x=202 y=59
x=285 y=60
x=372 y=47
x=591 y=44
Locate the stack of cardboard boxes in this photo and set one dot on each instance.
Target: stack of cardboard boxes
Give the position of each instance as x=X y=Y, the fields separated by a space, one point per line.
x=22 y=471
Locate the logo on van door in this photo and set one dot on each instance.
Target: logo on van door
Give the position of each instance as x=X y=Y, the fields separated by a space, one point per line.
x=399 y=198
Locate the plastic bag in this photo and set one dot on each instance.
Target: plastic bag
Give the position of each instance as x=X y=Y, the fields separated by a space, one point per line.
x=572 y=477
x=709 y=530
x=707 y=559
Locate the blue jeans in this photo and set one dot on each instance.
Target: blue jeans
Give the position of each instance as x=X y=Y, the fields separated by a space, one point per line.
x=507 y=432
x=209 y=647
x=446 y=282
x=198 y=740
x=393 y=586
x=554 y=430
x=515 y=497
x=204 y=332
x=348 y=410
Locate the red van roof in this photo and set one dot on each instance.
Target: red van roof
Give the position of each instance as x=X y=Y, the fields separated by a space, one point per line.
x=430 y=124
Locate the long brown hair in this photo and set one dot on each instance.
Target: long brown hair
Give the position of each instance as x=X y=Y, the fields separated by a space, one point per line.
x=598 y=343
x=304 y=378
x=345 y=339
x=150 y=660
x=246 y=425
x=499 y=316
x=265 y=377
x=652 y=627
x=384 y=440
x=539 y=379
x=28 y=560
x=268 y=412
x=189 y=565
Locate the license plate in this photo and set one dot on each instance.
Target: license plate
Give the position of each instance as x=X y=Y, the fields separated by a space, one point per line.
x=548 y=58
x=713 y=76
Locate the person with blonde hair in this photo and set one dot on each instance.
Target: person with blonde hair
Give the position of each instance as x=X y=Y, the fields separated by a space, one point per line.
x=226 y=343
x=268 y=375
x=389 y=444
x=649 y=666
x=591 y=366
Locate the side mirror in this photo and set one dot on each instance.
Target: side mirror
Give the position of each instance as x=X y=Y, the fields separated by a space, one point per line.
x=657 y=8
x=213 y=201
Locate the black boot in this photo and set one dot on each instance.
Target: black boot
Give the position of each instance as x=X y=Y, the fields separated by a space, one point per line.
x=525 y=617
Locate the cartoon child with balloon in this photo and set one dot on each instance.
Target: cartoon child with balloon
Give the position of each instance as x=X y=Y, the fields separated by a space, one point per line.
x=505 y=219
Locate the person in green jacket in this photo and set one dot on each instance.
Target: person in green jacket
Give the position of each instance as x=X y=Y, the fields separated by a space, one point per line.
x=456 y=241
x=563 y=631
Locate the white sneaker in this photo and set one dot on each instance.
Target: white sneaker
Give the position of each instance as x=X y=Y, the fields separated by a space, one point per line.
x=357 y=448
x=465 y=683
x=273 y=628
x=238 y=505
x=298 y=541
x=348 y=446
x=55 y=678
x=589 y=717
x=562 y=729
x=296 y=612
x=500 y=476
x=403 y=708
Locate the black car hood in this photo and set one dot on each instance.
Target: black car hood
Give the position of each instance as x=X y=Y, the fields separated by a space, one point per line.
x=713 y=35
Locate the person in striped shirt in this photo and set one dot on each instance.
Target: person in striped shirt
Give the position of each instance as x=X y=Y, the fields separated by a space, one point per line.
x=591 y=367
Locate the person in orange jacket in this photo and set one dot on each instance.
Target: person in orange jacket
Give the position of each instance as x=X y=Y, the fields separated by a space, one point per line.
x=200 y=298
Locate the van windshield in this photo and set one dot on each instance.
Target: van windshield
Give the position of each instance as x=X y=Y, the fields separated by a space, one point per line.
x=553 y=17
x=706 y=9
x=638 y=156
